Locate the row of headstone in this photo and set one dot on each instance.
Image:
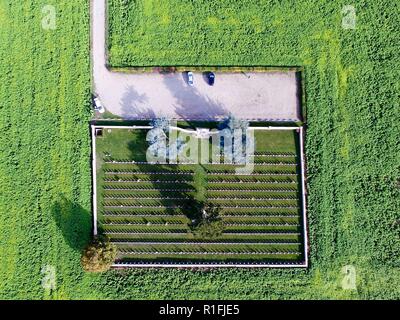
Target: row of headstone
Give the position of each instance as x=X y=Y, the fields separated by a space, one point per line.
x=148 y=162
x=202 y=265
x=277 y=243
x=280 y=233
x=138 y=197
x=147 y=214
x=147 y=181
x=209 y=253
x=258 y=216
x=250 y=199
x=139 y=203
x=112 y=188
x=270 y=224
x=196 y=264
x=260 y=207
x=254 y=174
x=120 y=172
x=253 y=190
x=275 y=164
x=138 y=223
x=126 y=232
x=141 y=206
x=225 y=198
x=179 y=207
x=252 y=182
x=271 y=154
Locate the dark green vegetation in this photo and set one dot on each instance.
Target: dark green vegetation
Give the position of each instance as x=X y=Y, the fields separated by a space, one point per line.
x=148 y=210
x=99 y=255
x=352 y=144
x=45 y=216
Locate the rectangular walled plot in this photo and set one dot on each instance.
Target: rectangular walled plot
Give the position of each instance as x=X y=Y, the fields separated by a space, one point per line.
x=147 y=209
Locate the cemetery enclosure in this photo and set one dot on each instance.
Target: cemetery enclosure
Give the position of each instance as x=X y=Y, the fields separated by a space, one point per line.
x=146 y=208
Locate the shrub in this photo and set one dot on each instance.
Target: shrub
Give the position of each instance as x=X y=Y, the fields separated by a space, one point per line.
x=208 y=224
x=209 y=229
x=166 y=70
x=98 y=255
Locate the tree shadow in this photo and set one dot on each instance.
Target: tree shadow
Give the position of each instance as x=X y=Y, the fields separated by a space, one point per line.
x=138 y=145
x=182 y=189
x=74 y=221
x=191 y=104
x=132 y=105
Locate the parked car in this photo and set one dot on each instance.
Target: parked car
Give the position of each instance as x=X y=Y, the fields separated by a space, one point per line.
x=98 y=106
x=211 y=78
x=190 y=78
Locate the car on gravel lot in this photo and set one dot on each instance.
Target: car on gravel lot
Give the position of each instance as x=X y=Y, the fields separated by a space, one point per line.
x=190 y=78
x=211 y=78
x=98 y=105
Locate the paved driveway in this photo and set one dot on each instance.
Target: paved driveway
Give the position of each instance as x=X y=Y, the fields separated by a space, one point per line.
x=254 y=96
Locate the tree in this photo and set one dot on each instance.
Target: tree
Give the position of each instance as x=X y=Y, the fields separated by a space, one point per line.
x=237 y=124
x=162 y=123
x=161 y=147
x=99 y=255
x=208 y=224
x=210 y=230
x=155 y=135
x=210 y=212
x=236 y=151
x=176 y=149
x=158 y=140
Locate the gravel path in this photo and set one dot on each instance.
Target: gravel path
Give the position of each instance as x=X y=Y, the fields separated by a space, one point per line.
x=254 y=96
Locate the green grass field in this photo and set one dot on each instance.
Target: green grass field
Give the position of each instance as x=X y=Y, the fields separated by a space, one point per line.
x=45 y=210
x=352 y=96
x=145 y=208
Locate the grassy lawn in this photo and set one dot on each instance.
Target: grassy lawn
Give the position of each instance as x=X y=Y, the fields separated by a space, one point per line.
x=277 y=141
x=123 y=144
x=151 y=200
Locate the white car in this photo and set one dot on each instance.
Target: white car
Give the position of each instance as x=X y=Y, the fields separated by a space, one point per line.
x=98 y=106
x=190 y=78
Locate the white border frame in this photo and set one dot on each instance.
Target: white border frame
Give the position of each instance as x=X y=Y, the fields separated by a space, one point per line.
x=304 y=264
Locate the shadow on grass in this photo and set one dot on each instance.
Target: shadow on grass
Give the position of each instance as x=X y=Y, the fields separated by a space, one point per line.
x=74 y=222
x=186 y=204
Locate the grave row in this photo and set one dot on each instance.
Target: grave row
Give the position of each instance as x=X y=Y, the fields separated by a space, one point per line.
x=180 y=207
x=251 y=190
x=120 y=172
x=257 y=163
x=209 y=253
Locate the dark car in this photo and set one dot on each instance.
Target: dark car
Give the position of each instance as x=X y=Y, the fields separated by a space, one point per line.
x=211 y=78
